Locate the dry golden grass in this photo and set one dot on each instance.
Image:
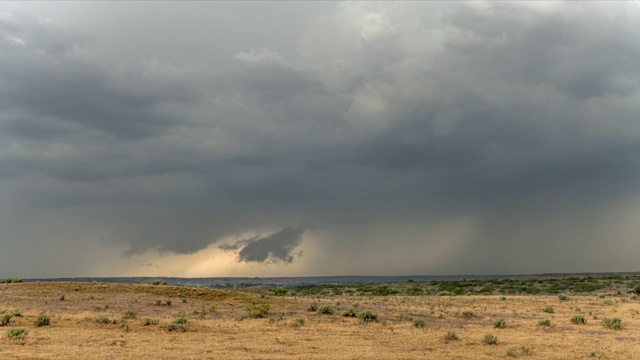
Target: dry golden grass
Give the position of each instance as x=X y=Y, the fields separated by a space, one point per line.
x=217 y=335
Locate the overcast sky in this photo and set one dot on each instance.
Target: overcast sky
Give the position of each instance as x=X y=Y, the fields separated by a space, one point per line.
x=318 y=138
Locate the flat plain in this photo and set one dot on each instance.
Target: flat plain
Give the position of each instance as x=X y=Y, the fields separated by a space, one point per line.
x=438 y=320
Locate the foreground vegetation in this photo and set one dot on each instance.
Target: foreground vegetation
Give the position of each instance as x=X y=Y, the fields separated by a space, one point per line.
x=547 y=318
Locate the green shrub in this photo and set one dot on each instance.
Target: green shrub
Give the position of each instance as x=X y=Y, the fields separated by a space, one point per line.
x=168 y=302
x=313 y=307
x=62 y=297
x=180 y=320
x=548 y=309
x=450 y=336
x=6 y=318
x=419 y=323
x=129 y=314
x=16 y=333
x=124 y=326
x=102 y=320
x=545 y=322
x=415 y=290
x=42 y=320
x=367 y=316
x=468 y=314
x=499 y=324
x=608 y=302
x=278 y=292
x=490 y=339
x=148 y=321
x=511 y=352
x=326 y=310
x=612 y=323
x=213 y=308
x=300 y=321
x=178 y=324
x=563 y=297
x=352 y=312
x=578 y=320
x=384 y=290
x=526 y=351
x=11 y=280
x=177 y=327
x=258 y=310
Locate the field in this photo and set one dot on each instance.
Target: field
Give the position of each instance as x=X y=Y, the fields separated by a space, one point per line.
x=434 y=320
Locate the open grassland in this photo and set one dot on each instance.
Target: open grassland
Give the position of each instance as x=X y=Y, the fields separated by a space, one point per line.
x=111 y=321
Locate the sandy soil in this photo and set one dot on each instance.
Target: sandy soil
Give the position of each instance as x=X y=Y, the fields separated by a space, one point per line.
x=290 y=331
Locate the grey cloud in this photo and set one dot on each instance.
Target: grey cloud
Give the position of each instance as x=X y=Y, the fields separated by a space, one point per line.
x=276 y=247
x=400 y=114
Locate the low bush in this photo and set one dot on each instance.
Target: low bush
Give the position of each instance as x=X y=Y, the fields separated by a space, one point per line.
x=545 y=322
x=490 y=339
x=258 y=310
x=367 y=316
x=102 y=320
x=548 y=309
x=278 y=292
x=415 y=290
x=419 y=323
x=129 y=314
x=612 y=323
x=43 y=320
x=5 y=320
x=178 y=324
x=499 y=324
x=578 y=320
x=124 y=326
x=177 y=327
x=16 y=333
x=352 y=312
x=450 y=336
x=148 y=321
x=326 y=310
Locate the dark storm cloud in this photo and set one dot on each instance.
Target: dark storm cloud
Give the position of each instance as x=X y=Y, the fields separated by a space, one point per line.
x=277 y=247
x=403 y=116
x=50 y=84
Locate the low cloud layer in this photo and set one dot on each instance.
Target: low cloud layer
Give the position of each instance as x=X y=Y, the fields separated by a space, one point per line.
x=481 y=137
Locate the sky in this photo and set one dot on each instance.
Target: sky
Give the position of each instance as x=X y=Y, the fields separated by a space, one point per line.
x=318 y=138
